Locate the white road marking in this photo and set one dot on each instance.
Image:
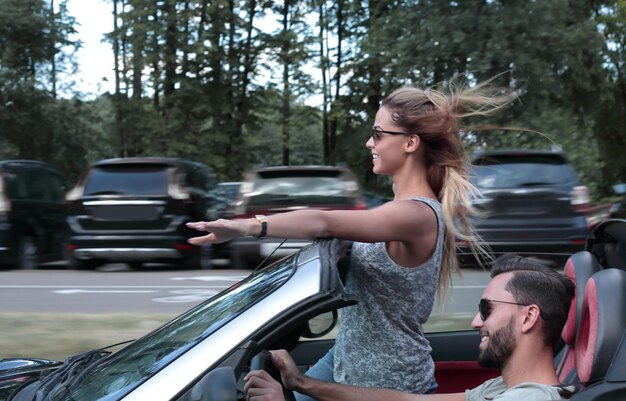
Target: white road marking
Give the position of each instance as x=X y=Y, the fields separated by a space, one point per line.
x=210 y=278
x=80 y=291
x=187 y=296
x=50 y=287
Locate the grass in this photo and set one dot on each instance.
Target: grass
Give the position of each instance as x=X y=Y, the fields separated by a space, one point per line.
x=57 y=336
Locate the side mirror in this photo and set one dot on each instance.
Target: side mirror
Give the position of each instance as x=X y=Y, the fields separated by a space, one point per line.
x=321 y=325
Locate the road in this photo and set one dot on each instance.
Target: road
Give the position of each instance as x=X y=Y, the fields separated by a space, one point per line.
x=116 y=289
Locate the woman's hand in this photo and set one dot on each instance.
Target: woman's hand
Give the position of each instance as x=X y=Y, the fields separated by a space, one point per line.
x=221 y=230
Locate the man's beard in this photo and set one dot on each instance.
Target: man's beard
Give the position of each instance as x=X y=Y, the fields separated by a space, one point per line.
x=501 y=345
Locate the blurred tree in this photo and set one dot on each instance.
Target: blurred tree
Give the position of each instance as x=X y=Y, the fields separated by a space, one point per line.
x=290 y=48
x=610 y=117
x=35 y=47
x=231 y=82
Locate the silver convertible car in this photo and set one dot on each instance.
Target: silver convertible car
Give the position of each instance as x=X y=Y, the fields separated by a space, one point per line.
x=203 y=354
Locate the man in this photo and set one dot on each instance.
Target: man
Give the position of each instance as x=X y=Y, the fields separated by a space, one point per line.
x=520 y=318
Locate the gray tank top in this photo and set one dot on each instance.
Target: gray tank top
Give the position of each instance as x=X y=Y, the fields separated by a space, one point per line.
x=381 y=342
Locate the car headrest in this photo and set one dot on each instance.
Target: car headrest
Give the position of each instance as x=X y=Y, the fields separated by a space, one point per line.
x=608 y=242
x=580 y=266
x=602 y=324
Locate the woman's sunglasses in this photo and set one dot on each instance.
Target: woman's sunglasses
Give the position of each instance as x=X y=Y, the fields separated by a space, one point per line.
x=377 y=134
x=484 y=308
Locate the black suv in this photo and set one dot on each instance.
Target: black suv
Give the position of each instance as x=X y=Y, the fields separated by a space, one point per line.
x=134 y=210
x=278 y=189
x=533 y=202
x=32 y=214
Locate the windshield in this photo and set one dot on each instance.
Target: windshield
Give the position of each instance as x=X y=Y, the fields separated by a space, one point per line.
x=303 y=189
x=521 y=172
x=118 y=374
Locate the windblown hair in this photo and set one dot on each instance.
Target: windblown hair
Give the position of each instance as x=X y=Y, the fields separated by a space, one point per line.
x=434 y=116
x=535 y=283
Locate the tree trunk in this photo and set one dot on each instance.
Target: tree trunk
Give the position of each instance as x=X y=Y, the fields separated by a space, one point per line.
x=53 y=62
x=121 y=141
x=324 y=72
x=169 y=56
x=156 y=69
x=285 y=108
x=138 y=41
x=333 y=111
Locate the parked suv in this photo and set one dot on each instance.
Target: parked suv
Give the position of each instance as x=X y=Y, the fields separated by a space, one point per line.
x=271 y=190
x=533 y=202
x=32 y=214
x=134 y=210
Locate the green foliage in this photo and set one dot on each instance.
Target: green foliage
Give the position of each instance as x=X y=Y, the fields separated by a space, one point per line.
x=228 y=82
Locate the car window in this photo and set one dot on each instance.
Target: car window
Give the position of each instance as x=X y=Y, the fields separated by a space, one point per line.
x=125 y=179
x=512 y=172
x=56 y=185
x=28 y=184
x=228 y=190
x=118 y=374
x=16 y=185
x=312 y=189
x=33 y=182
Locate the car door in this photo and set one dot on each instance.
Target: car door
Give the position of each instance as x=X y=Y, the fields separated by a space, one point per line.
x=455 y=354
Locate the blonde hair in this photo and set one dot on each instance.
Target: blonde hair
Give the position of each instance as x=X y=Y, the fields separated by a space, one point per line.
x=434 y=116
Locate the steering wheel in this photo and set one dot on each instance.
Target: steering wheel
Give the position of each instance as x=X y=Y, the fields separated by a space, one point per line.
x=263 y=361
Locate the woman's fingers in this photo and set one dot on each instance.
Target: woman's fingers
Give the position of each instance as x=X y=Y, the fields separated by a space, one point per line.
x=205 y=239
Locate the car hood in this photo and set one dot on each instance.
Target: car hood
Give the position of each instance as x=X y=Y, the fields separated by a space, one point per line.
x=14 y=372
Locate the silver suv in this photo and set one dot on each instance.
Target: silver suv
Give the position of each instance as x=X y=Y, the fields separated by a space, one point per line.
x=279 y=189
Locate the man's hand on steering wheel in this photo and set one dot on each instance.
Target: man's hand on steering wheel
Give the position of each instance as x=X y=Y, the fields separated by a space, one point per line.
x=260 y=386
x=289 y=372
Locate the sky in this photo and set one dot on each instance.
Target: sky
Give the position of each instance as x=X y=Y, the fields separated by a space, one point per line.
x=95 y=58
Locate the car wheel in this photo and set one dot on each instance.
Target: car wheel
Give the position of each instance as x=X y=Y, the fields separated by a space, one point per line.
x=28 y=254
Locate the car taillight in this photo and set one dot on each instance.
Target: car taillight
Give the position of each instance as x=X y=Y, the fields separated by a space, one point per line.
x=184 y=247
x=5 y=204
x=178 y=193
x=360 y=206
x=580 y=199
x=75 y=193
x=5 y=207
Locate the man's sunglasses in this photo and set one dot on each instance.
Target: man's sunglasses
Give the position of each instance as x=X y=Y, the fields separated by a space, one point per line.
x=484 y=308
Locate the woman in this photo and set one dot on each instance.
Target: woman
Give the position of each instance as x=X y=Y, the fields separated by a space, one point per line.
x=404 y=250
